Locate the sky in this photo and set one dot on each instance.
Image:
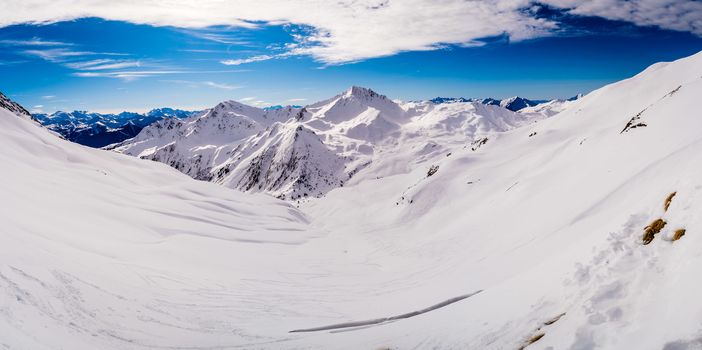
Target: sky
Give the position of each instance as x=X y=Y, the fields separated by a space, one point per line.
x=112 y=56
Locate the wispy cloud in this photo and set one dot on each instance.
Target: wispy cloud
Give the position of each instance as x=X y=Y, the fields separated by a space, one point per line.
x=48 y=97
x=296 y=100
x=213 y=84
x=104 y=64
x=241 y=61
x=10 y=63
x=33 y=42
x=204 y=51
x=218 y=37
x=253 y=101
x=220 y=85
x=55 y=55
x=128 y=75
x=64 y=54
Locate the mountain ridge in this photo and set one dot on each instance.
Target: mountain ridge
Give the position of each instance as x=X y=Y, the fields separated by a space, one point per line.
x=102 y=129
x=349 y=130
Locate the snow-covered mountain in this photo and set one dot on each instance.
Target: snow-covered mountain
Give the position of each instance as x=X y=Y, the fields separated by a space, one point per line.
x=517 y=103
x=576 y=232
x=99 y=129
x=14 y=107
x=305 y=152
x=514 y=104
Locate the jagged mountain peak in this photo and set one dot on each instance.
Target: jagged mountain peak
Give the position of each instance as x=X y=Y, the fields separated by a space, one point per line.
x=354 y=102
x=516 y=103
x=14 y=107
x=576 y=97
x=235 y=106
x=362 y=92
x=292 y=162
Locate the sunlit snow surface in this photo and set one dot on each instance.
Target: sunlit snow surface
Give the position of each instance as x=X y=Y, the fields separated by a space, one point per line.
x=100 y=250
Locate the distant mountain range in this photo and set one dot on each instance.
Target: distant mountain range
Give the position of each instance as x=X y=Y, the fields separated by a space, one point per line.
x=296 y=152
x=102 y=129
x=514 y=103
x=99 y=130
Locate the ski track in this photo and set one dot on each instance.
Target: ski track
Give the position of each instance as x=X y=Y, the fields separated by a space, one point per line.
x=378 y=321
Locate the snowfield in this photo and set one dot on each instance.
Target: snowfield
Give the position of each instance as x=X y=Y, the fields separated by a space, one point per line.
x=532 y=239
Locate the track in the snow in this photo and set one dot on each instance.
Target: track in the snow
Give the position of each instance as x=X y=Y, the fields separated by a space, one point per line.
x=387 y=319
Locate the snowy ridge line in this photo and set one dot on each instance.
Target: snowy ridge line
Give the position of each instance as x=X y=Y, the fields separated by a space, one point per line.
x=388 y=319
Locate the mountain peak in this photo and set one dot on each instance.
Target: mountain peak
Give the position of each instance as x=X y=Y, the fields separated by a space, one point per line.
x=232 y=105
x=14 y=107
x=516 y=103
x=361 y=92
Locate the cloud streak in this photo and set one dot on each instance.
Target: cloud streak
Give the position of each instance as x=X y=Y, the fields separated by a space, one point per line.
x=345 y=31
x=104 y=64
x=241 y=61
x=222 y=86
x=33 y=42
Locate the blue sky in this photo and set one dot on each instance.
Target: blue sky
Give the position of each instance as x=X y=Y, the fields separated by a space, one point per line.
x=113 y=65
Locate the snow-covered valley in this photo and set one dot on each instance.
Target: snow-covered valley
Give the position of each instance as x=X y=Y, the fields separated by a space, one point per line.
x=415 y=232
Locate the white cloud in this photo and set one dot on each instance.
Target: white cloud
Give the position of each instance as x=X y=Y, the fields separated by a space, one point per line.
x=247 y=60
x=103 y=64
x=33 y=42
x=48 y=97
x=63 y=54
x=220 y=85
x=195 y=84
x=127 y=75
x=56 y=55
x=351 y=30
x=296 y=100
x=681 y=15
x=222 y=38
x=253 y=101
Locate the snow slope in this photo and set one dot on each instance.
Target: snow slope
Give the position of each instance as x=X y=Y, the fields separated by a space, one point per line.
x=532 y=239
x=545 y=224
x=100 y=250
x=294 y=153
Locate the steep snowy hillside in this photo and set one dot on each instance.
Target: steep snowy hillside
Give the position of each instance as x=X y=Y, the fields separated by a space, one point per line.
x=294 y=153
x=99 y=130
x=103 y=251
x=580 y=232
